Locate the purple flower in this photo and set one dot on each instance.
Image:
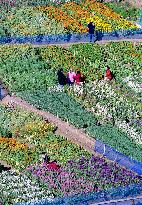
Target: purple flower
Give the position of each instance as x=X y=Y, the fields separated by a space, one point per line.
x=38 y=173
x=81 y=167
x=31 y=168
x=70 y=162
x=44 y=164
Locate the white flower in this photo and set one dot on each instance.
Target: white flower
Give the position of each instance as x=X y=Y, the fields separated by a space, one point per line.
x=137 y=87
x=130 y=131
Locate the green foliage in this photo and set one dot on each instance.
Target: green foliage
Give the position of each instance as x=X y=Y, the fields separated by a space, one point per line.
x=124 y=10
x=117 y=139
x=61 y=105
x=26 y=21
x=24 y=61
x=117 y=55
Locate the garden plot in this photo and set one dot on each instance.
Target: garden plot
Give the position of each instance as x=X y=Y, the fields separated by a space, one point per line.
x=27 y=129
x=136 y=86
x=30 y=179
x=69 y=17
x=112 y=108
x=19 y=188
x=111 y=104
x=83 y=175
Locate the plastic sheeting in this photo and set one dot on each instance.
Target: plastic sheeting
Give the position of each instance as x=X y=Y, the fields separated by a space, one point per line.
x=72 y=38
x=118 y=157
x=86 y=199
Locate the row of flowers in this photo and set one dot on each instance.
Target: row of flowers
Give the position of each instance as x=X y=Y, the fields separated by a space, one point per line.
x=16 y=187
x=137 y=87
x=26 y=21
x=91 y=59
x=69 y=17
x=12 y=144
x=31 y=138
x=79 y=13
x=108 y=14
x=83 y=175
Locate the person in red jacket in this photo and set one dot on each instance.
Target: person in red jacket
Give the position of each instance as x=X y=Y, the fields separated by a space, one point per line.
x=77 y=78
x=53 y=165
x=78 y=88
x=50 y=165
x=108 y=75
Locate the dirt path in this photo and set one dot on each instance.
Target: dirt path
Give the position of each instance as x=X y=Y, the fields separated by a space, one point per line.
x=65 y=129
x=102 y=42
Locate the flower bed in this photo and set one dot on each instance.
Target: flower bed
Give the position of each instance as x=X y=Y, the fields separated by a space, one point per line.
x=113 y=18
x=20 y=60
x=43 y=63
x=91 y=59
x=117 y=55
x=112 y=101
x=69 y=17
x=124 y=10
x=73 y=112
x=30 y=137
x=26 y=21
x=19 y=188
x=83 y=175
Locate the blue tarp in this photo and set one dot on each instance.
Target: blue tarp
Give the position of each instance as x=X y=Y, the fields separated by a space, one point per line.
x=72 y=38
x=118 y=157
x=86 y=199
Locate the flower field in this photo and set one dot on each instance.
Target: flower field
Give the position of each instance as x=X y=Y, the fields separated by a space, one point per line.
x=20 y=188
x=44 y=61
x=113 y=110
x=30 y=179
x=69 y=17
x=124 y=9
x=110 y=112
x=25 y=144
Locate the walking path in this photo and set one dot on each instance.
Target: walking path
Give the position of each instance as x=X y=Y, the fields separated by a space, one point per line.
x=67 y=45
